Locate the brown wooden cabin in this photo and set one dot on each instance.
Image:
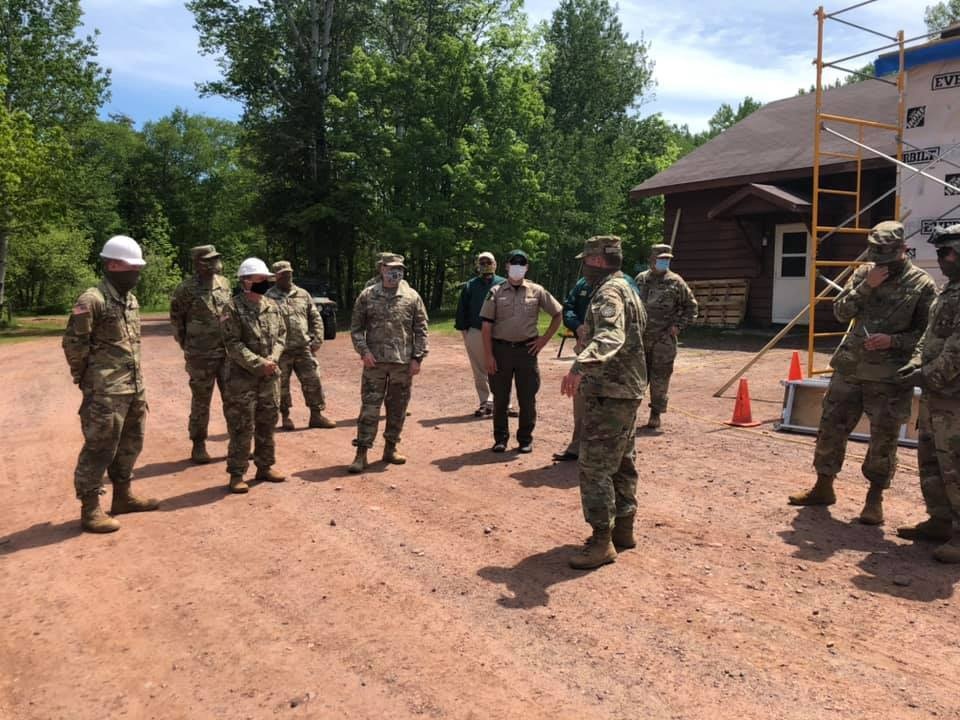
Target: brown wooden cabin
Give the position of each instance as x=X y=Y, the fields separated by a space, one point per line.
x=744 y=198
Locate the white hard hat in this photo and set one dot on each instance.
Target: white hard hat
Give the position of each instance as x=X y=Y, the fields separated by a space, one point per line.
x=121 y=247
x=253 y=266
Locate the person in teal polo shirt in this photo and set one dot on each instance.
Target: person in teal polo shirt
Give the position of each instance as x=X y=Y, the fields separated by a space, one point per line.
x=468 y=322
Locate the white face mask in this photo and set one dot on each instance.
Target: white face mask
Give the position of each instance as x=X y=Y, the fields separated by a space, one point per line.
x=517 y=272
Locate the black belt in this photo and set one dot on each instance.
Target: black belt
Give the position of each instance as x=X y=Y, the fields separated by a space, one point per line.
x=522 y=343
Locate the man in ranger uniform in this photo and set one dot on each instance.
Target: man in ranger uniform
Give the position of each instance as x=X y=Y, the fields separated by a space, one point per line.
x=195 y=310
x=102 y=346
x=935 y=367
x=610 y=374
x=254 y=333
x=888 y=299
x=389 y=333
x=670 y=307
x=304 y=337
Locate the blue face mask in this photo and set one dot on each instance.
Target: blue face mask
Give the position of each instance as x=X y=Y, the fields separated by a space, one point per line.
x=662 y=264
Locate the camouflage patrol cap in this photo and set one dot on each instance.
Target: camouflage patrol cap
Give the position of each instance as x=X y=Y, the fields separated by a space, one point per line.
x=281 y=266
x=391 y=260
x=946 y=237
x=203 y=252
x=885 y=242
x=662 y=251
x=602 y=245
x=381 y=256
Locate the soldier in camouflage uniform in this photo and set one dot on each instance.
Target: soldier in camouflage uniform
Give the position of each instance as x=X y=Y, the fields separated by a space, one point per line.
x=254 y=333
x=195 y=310
x=611 y=374
x=670 y=307
x=304 y=338
x=102 y=347
x=389 y=332
x=888 y=299
x=935 y=366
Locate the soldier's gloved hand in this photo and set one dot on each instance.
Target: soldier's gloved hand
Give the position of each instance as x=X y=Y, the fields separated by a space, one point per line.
x=910 y=375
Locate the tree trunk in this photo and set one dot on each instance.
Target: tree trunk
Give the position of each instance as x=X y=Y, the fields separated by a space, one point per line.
x=4 y=249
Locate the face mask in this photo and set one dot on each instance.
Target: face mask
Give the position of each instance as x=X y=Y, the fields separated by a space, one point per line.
x=285 y=282
x=393 y=276
x=123 y=280
x=260 y=288
x=949 y=268
x=662 y=264
x=517 y=272
x=595 y=275
x=218 y=266
x=486 y=270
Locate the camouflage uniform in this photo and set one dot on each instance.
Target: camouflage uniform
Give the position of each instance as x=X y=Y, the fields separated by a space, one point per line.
x=253 y=333
x=391 y=325
x=669 y=302
x=195 y=311
x=102 y=347
x=938 y=452
x=865 y=381
x=304 y=337
x=614 y=376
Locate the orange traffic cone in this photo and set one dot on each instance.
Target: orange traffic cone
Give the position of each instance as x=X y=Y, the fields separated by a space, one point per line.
x=742 y=416
x=795 y=372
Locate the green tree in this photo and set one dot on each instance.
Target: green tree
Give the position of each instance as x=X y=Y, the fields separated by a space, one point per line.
x=160 y=275
x=941 y=15
x=50 y=271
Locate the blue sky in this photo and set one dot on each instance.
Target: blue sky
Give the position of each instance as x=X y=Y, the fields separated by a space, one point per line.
x=703 y=58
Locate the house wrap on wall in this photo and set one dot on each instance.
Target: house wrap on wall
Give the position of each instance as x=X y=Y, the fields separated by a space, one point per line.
x=744 y=197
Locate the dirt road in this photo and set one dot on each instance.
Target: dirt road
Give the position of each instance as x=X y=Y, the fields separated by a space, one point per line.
x=440 y=588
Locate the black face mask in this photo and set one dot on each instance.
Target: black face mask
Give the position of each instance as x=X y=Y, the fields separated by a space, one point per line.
x=895 y=268
x=123 y=280
x=260 y=288
x=948 y=268
x=595 y=275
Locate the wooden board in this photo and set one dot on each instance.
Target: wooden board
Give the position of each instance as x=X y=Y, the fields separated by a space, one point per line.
x=722 y=303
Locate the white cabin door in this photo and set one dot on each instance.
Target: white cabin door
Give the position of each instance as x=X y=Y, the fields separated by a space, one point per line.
x=791 y=272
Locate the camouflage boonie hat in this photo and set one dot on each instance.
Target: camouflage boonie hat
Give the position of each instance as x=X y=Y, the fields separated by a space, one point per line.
x=662 y=251
x=281 y=266
x=602 y=245
x=391 y=260
x=885 y=242
x=204 y=252
x=946 y=237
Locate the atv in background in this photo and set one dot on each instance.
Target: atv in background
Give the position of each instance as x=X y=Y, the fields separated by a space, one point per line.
x=325 y=301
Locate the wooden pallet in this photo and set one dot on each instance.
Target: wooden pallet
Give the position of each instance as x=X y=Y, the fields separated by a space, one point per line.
x=723 y=303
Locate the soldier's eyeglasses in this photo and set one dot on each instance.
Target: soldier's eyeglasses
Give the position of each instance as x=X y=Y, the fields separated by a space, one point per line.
x=518 y=261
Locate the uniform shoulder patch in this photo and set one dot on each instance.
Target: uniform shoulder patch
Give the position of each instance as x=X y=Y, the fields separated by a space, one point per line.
x=609 y=310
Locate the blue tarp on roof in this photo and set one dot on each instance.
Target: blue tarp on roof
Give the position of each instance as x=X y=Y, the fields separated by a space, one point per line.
x=922 y=55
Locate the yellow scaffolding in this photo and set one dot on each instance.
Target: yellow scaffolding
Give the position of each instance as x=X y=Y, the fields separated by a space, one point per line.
x=821 y=233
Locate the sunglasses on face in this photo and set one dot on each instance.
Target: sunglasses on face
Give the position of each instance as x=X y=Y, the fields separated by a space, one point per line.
x=518 y=261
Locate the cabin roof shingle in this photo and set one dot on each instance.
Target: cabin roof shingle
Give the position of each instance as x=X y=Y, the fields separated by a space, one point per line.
x=776 y=142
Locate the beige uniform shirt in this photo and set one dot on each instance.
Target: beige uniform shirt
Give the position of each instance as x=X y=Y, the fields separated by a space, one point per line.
x=513 y=310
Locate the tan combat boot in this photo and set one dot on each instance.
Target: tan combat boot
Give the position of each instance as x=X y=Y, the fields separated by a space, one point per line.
x=390 y=454
x=359 y=462
x=950 y=552
x=931 y=530
x=199 y=453
x=597 y=551
x=820 y=494
x=92 y=518
x=319 y=420
x=237 y=485
x=654 y=422
x=124 y=501
x=623 y=532
x=872 y=513
x=269 y=475
x=286 y=423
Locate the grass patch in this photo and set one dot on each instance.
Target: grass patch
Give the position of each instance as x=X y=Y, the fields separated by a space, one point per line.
x=441 y=323
x=32 y=327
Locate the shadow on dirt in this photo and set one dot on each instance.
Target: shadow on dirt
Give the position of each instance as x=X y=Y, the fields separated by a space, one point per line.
x=39 y=535
x=169 y=467
x=908 y=572
x=818 y=535
x=560 y=475
x=529 y=580
x=474 y=459
x=452 y=420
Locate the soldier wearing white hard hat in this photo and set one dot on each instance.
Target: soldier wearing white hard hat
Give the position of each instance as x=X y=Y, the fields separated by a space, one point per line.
x=102 y=347
x=254 y=334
